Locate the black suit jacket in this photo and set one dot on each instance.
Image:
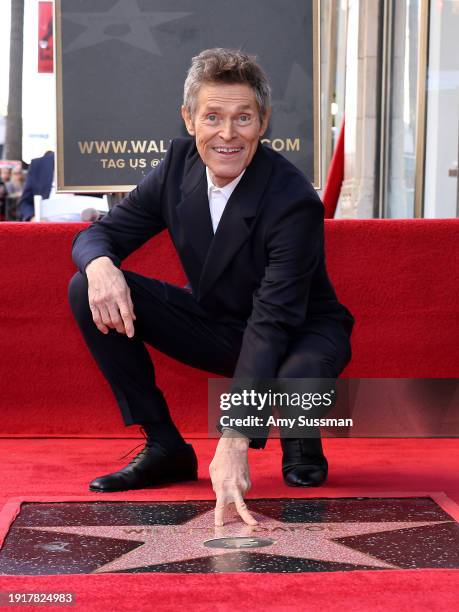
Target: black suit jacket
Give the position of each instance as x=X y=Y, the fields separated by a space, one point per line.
x=263 y=270
x=38 y=182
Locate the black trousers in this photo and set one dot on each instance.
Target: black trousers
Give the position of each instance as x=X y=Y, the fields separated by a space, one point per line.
x=322 y=350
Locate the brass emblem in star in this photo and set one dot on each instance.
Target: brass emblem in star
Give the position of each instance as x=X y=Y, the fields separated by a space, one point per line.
x=124 y=22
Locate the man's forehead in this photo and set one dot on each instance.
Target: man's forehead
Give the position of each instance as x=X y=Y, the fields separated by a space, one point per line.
x=223 y=95
x=220 y=103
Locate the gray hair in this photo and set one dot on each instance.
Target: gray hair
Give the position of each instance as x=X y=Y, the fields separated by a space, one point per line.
x=226 y=66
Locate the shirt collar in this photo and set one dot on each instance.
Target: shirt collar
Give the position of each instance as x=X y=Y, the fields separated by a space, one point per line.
x=227 y=190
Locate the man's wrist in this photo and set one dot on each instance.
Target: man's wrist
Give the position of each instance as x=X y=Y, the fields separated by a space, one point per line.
x=233 y=433
x=227 y=432
x=97 y=262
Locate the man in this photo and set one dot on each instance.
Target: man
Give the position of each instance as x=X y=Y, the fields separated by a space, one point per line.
x=38 y=182
x=5 y=176
x=15 y=185
x=14 y=188
x=248 y=228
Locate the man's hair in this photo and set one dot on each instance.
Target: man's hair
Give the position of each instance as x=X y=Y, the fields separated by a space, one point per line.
x=226 y=66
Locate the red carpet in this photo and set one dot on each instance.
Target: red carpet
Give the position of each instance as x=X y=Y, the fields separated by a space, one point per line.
x=61 y=468
x=414 y=590
x=398 y=280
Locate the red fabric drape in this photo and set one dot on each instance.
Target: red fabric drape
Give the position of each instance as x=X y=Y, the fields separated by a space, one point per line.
x=335 y=177
x=45 y=37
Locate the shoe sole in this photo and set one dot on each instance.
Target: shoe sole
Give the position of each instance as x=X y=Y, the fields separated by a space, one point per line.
x=153 y=485
x=305 y=486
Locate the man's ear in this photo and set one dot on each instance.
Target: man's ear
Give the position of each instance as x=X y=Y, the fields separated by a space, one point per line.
x=265 y=122
x=188 y=121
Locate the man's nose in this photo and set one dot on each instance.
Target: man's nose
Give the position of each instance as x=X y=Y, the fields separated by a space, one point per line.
x=227 y=131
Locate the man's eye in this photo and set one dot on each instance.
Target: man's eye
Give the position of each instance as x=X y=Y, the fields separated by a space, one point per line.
x=244 y=118
x=212 y=117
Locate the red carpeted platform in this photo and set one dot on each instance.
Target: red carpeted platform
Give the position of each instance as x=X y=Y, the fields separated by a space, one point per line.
x=396 y=277
x=399 y=280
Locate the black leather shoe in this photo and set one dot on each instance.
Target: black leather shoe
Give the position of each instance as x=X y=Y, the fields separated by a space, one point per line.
x=303 y=462
x=151 y=467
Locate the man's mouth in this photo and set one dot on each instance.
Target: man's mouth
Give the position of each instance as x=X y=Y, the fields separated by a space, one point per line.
x=227 y=150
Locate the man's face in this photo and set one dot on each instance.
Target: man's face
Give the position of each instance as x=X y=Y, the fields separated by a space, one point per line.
x=227 y=128
x=6 y=174
x=17 y=175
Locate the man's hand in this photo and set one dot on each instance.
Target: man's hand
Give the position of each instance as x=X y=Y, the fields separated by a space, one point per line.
x=229 y=472
x=109 y=297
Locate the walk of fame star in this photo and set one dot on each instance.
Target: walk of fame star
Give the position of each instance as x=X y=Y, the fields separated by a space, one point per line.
x=160 y=544
x=125 y=22
x=293 y=535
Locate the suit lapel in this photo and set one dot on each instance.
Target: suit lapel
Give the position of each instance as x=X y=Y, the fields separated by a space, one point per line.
x=193 y=210
x=235 y=225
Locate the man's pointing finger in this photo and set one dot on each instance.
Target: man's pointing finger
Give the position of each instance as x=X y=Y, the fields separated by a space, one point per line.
x=219 y=513
x=244 y=513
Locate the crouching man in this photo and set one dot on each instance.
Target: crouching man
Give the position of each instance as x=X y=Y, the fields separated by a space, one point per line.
x=248 y=228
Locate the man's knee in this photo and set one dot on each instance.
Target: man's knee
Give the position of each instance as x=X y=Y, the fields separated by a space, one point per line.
x=310 y=364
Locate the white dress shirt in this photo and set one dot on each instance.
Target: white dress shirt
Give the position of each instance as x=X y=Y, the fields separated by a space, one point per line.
x=218 y=197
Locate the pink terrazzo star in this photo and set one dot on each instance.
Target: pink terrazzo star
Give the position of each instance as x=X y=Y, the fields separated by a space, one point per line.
x=197 y=537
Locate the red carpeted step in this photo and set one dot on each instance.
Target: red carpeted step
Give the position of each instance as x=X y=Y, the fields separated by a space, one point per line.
x=396 y=276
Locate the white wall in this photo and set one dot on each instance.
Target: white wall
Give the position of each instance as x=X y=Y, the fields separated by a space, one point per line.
x=38 y=96
x=442 y=110
x=5 y=22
